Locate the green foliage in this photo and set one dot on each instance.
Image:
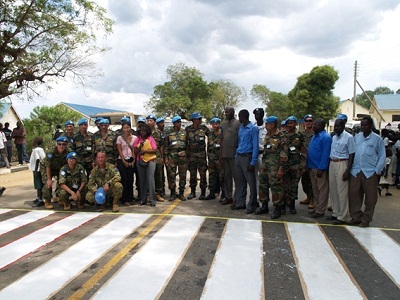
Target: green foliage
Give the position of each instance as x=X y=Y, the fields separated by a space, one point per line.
x=225 y=93
x=313 y=93
x=362 y=99
x=42 y=41
x=43 y=121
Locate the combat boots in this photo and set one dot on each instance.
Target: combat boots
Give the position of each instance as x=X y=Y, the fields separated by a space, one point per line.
x=210 y=196
x=192 y=194
x=172 y=196
x=159 y=198
x=47 y=204
x=263 y=209
x=277 y=212
x=181 y=196
x=292 y=208
x=203 y=194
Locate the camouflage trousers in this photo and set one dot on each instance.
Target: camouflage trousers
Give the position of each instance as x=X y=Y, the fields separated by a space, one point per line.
x=215 y=175
x=47 y=193
x=198 y=162
x=114 y=192
x=306 y=183
x=64 y=196
x=291 y=181
x=173 y=165
x=267 y=180
x=159 y=178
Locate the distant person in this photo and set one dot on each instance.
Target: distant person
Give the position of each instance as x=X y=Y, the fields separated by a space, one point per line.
x=3 y=149
x=8 y=133
x=57 y=132
x=36 y=158
x=18 y=134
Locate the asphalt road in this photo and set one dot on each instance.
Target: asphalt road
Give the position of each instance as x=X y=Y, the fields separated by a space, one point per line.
x=191 y=250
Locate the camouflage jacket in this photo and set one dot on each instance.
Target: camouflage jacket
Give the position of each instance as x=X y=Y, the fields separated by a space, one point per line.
x=108 y=144
x=72 y=178
x=158 y=137
x=196 y=137
x=53 y=160
x=99 y=177
x=214 y=145
x=83 y=145
x=276 y=151
x=175 y=144
x=297 y=149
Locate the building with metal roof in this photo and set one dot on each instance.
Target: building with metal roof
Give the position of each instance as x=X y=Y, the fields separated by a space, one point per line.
x=389 y=107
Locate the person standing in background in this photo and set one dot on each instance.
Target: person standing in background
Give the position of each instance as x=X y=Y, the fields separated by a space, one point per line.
x=8 y=133
x=18 y=134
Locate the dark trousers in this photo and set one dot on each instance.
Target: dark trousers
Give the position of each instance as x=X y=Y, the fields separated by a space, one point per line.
x=126 y=180
x=22 y=156
x=244 y=178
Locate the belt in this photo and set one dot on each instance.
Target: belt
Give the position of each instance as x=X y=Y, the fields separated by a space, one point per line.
x=245 y=154
x=339 y=159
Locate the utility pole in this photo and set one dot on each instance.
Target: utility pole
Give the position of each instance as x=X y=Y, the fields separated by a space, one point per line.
x=354 y=90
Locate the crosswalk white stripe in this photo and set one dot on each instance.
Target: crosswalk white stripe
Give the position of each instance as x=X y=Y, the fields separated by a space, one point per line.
x=237 y=271
x=318 y=265
x=13 y=223
x=3 y=211
x=149 y=269
x=35 y=240
x=48 y=278
x=382 y=248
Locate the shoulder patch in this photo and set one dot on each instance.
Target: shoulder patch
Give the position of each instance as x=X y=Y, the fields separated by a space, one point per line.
x=50 y=155
x=63 y=173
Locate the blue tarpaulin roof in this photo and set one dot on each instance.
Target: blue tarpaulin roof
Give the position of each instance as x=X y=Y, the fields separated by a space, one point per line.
x=89 y=110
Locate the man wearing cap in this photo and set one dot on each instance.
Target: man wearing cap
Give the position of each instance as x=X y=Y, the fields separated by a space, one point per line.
x=105 y=175
x=175 y=157
x=158 y=137
x=245 y=161
x=318 y=164
x=283 y=126
x=229 y=129
x=296 y=160
x=97 y=123
x=305 y=178
x=106 y=141
x=275 y=164
x=69 y=134
x=50 y=167
x=342 y=156
x=72 y=182
x=196 y=138
x=159 y=173
x=215 y=170
x=83 y=146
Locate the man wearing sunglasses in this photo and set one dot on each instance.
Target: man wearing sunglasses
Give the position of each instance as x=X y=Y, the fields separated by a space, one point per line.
x=105 y=140
x=50 y=167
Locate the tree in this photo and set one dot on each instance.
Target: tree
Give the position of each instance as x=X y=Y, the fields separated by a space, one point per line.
x=362 y=99
x=185 y=92
x=44 y=41
x=313 y=93
x=43 y=120
x=225 y=93
x=276 y=103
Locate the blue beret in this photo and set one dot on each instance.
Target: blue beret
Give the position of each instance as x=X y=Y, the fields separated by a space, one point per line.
x=151 y=117
x=271 y=119
x=63 y=139
x=82 y=121
x=283 y=123
x=215 y=120
x=125 y=120
x=69 y=122
x=98 y=119
x=291 y=118
x=195 y=115
x=141 y=119
x=308 y=116
x=342 y=116
x=72 y=155
x=104 y=121
x=176 y=118
x=159 y=120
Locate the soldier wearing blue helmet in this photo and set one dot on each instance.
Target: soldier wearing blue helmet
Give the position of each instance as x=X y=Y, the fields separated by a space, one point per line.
x=69 y=133
x=196 y=138
x=106 y=141
x=83 y=146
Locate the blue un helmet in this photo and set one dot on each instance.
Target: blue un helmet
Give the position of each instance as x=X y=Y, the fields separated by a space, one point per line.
x=291 y=118
x=151 y=116
x=271 y=119
x=100 y=196
x=176 y=119
x=342 y=117
x=62 y=139
x=104 y=122
x=82 y=121
x=215 y=120
x=69 y=122
x=141 y=119
x=72 y=155
x=195 y=115
x=159 y=120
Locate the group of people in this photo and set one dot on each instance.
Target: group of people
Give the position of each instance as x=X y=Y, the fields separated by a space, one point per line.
x=268 y=157
x=6 y=144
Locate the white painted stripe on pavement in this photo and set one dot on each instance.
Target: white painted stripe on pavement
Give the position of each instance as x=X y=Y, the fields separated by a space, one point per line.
x=383 y=249
x=18 y=221
x=150 y=268
x=237 y=270
x=50 y=277
x=3 y=211
x=318 y=265
x=37 y=239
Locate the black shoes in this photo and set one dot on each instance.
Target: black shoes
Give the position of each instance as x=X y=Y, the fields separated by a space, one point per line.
x=203 y=194
x=192 y=194
x=263 y=209
x=181 y=196
x=210 y=196
x=2 y=191
x=277 y=212
x=315 y=215
x=172 y=196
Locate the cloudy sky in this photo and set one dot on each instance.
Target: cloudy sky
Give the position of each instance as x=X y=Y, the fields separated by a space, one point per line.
x=248 y=42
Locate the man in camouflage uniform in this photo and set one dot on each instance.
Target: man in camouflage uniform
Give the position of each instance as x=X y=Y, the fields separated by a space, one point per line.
x=275 y=163
x=297 y=161
x=215 y=169
x=50 y=167
x=69 y=134
x=305 y=178
x=158 y=136
x=161 y=126
x=83 y=146
x=104 y=140
x=107 y=176
x=175 y=157
x=72 y=182
x=196 y=137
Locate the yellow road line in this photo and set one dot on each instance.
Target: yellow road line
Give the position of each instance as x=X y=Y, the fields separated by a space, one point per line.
x=88 y=285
